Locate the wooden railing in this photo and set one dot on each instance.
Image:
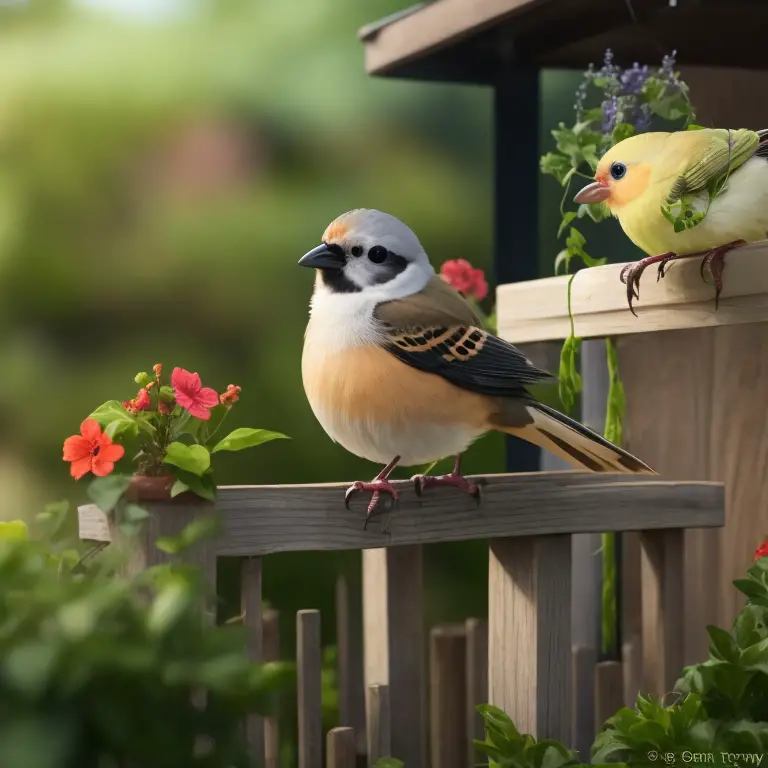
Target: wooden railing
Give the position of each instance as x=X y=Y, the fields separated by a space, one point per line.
x=525 y=647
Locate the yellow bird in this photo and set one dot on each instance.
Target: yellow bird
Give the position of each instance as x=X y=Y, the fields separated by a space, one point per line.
x=399 y=370
x=682 y=194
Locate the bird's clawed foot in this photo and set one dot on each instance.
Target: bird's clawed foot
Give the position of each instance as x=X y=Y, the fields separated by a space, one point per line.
x=714 y=263
x=632 y=273
x=378 y=486
x=453 y=479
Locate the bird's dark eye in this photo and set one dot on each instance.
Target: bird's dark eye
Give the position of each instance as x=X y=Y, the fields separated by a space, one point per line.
x=377 y=254
x=357 y=250
x=618 y=171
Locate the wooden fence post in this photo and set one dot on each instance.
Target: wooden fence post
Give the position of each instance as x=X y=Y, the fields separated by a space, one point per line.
x=309 y=668
x=529 y=633
x=448 y=696
x=663 y=639
x=379 y=723
x=583 y=690
x=477 y=682
x=250 y=602
x=394 y=648
x=271 y=652
x=340 y=748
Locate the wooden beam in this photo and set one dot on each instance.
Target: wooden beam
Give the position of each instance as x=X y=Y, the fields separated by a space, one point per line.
x=529 y=633
x=250 y=603
x=309 y=673
x=260 y=520
x=477 y=682
x=340 y=748
x=537 y=310
x=378 y=727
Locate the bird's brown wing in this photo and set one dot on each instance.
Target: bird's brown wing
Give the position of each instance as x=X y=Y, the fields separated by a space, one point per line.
x=438 y=332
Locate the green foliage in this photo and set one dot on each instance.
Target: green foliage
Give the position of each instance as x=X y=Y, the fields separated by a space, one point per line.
x=388 y=762
x=101 y=670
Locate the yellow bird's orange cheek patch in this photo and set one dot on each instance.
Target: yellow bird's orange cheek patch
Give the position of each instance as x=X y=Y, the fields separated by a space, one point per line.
x=336 y=231
x=632 y=186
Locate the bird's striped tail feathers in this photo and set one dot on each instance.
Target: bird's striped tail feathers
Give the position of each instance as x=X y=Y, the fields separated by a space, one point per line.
x=577 y=444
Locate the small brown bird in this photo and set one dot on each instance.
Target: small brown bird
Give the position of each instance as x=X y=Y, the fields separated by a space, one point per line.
x=398 y=369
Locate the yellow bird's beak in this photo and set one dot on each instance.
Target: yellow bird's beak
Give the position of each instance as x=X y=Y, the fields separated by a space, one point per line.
x=597 y=192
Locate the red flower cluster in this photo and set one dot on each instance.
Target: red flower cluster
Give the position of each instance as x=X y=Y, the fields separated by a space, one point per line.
x=762 y=550
x=91 y=451
x=462 y=276
x=231 y=396
x=192 y=395
x=139 y=403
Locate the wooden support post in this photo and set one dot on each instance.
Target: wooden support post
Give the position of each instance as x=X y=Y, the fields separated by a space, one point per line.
x=529 y=633
x=583 y=682
x=662 y=567
x=271 y=652
x=393 y=620
x=308 y=662
x=340 y=748
x=477 y=682
x=250 y=603
x=631 y=666
x=447 y=696
x=609 y=691
x=379 y=723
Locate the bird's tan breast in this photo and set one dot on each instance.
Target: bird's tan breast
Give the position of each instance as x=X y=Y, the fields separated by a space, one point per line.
x=366 y=383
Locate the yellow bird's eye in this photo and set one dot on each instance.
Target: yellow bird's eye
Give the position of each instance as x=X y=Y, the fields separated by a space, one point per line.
x=618 y=171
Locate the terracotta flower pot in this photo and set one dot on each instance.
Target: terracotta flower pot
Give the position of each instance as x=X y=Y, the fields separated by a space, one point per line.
x=143 y=488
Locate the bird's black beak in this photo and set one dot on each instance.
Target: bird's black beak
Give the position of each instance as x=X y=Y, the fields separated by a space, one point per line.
x=323 y=257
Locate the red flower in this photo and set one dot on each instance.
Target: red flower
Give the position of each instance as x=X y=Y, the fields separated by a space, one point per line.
x=91 y=451
x=762 y=551
x=231 y=396
x=139 y=403
x=462 y=276
x=192 y=395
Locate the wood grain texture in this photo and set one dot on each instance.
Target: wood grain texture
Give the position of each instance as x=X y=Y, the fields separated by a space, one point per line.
x=250 y=604
x=584 y=661
x=477 y=682
x=663 y=616
x=271 y=652
x=447 y=696
x=537 y=310
x=609 y=690
x=260 y=520
x=394 y=647
x=632 y=669
x=378 y=723
x=529 y=631
x=678 y=442
x=340 y=748
x=308 y=669
x=432 y=27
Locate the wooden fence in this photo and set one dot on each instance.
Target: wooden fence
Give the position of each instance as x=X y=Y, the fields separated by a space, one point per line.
x=521 y=659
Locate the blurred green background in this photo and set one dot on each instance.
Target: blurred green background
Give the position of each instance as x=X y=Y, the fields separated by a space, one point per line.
x=163 y=166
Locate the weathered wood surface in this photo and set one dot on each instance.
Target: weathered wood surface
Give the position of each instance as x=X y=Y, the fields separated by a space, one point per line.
x=309 y=670
x=340 y=748
x=537 y=310
x=609 y=690
x=584 y=662
x=394 y=648
x=378 y=724
x=260 y=520
x=250 y=604
x=529 y=633
x=447 y=696
x=271 y=652
x=477 y=682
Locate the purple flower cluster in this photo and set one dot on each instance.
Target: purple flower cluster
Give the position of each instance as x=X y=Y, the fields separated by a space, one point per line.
x=624 y=100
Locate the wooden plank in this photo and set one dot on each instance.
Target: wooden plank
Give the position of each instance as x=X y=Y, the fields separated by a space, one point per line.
x=447 y=696
x=340 y=748
x=260 y=520
x=677 y=442
x=435 y=25
x=584 y=663
x=271 y=652
x=663 y=615
x=394 y=648
x=378 y=722
x=250 y=603
x=609 y=690
x=308 y=669
x=477 y=682
x=537 y=310
x=631 y=665
x=529 y=630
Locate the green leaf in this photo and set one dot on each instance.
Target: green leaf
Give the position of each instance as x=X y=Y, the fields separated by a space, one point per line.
x=563 y=259
x=596 y=211
x=694 y=127
x=168 y=606
x=202 y=486
x=194 y=532
x=209 y=428
x=122 y=427
x=570 y=382
x=555 y=164
x=388 y=762
x=568 y=217
x=754 y=655
x=191 y=458
x=622 y=131
x=723 y=645
x=751 y=588
x=15 y=530
x=245 y=437
x=105 y=492
x=107 y=413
